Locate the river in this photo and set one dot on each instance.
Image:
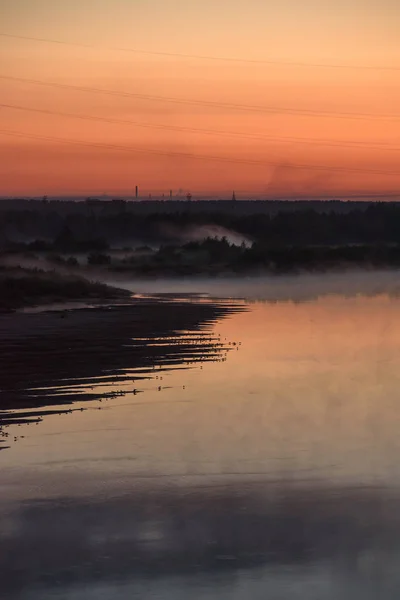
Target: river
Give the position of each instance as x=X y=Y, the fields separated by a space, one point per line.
x=263 y=466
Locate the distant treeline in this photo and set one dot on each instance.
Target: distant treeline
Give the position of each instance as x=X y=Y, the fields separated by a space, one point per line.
x=68 y=206
x=213 y=257
x=85 y=229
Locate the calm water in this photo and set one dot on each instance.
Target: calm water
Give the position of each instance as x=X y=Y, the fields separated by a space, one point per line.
x=272 y=474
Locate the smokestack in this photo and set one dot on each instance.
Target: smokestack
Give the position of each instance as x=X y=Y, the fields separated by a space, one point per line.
x=136 y=192
x=170 y=194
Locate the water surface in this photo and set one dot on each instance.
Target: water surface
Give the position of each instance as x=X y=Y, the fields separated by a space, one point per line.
x=270 y=471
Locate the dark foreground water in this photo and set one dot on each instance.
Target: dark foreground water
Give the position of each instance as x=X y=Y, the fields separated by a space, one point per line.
x=253 y=454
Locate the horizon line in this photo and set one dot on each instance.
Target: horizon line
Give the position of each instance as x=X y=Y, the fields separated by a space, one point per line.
x=181 y=197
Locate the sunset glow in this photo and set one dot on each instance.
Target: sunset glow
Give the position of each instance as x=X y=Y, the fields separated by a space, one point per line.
x=277 y=122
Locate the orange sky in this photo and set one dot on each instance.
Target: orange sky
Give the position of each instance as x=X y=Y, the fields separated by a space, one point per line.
x=149 y=150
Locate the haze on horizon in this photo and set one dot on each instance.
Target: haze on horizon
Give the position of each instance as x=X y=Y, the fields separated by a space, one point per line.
x=321 y=130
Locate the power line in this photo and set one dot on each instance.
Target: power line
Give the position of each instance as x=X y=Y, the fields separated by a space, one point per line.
x=101 y=145
x=309 y=141
x=209 y=103
x=204 y=57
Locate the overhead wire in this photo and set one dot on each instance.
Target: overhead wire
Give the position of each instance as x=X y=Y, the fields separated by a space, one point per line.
x=203 y=57
x=225 y=105
x=266 y=163
x=212 y=132
x=208 y=103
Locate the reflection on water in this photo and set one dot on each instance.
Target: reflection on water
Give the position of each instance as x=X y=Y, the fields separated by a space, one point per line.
x=328 y=540
x=272 y=474
x=60 y=357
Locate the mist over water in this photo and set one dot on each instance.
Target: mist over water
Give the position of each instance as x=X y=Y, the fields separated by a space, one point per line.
x=198 y=233
x=296 y=288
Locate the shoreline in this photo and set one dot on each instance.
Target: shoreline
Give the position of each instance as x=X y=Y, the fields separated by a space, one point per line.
x=52 y=359
x=23 y=288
